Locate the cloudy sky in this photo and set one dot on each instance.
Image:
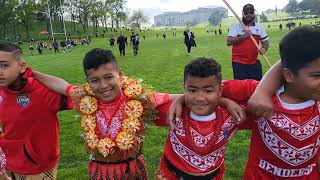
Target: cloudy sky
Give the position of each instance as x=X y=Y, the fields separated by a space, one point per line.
x=155 y=7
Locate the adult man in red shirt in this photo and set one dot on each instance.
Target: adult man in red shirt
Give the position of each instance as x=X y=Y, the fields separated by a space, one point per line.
x=245 y=61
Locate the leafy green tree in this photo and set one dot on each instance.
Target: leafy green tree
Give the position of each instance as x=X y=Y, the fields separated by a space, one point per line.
x=216 y=17
x=26 y=13
x=7 y=15
x=96 y=13
x=137 y=19
x=313 y=6
x=292 y=7
x=117 y=14
x=84 y=7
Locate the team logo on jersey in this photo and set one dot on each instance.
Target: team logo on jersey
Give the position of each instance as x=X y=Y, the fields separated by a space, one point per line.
x=23 y=99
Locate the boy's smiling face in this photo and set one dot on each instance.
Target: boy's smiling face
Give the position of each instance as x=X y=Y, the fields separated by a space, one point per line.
x=105 y=81
x=10 y=68
x=306 y=84
x=202 y=94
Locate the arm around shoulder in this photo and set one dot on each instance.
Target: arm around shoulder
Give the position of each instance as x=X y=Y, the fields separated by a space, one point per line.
x=260 y=102
x=54 y=83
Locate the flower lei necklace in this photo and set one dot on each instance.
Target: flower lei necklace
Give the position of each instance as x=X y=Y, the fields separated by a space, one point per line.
x=138 y=104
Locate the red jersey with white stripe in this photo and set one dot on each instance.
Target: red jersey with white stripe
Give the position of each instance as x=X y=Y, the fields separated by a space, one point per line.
x=197 y=145
x=287 y=144
x=246 y=52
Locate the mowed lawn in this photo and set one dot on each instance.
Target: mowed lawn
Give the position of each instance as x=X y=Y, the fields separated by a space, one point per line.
x=160 y=64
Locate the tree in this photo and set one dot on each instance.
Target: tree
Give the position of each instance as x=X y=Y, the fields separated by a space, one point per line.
x=96 y=13
x=26 y=14
x=106 y=12
x=7 y=15
x=292 y=7
x=137 y=19
x=216 y=17
x=313 y=6
x=117 y=13
x=263 y=17
x=83 y=8
x=72 y=9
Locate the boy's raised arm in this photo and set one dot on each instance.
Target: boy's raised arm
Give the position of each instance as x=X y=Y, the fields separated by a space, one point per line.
x=54 y=83
x=260 y=102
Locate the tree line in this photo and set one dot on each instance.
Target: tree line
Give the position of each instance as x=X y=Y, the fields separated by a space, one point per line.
x=96 y=13
x=305 y=6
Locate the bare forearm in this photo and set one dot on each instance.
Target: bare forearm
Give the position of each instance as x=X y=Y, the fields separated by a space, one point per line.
x=265 y=45
x=235 y=40
x=260 y=103
x=224 y=101
x=54 y=83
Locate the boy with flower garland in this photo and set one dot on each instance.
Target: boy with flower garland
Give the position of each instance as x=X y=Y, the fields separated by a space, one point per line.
x=113 y=109
x=28 y=114
x=285 y=143
x=195 y=147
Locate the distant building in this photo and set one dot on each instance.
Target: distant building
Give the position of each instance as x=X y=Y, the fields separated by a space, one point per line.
x=193 y=17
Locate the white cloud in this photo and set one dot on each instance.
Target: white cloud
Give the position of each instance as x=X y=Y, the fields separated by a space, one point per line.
x=186 y=5
x=155 y=7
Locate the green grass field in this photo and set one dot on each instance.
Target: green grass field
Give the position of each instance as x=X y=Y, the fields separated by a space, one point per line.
x=160 y=63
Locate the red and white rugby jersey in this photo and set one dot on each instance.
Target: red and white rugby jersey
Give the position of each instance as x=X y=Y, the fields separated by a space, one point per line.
x=246 y=52
x=194 y=147
x=287 y=144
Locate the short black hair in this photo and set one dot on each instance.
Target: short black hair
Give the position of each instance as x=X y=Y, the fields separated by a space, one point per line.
x=203 y=67
x=9 y=47
x=248 y=6
x=97 y=57
x=300 y=47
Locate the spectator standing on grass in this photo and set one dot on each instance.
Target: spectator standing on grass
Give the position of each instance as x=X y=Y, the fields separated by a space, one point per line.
x=245 y=63
x=122 y=42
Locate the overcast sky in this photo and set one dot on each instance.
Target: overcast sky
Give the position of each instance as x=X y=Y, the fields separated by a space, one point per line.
x=154 y=7
x=185 y=5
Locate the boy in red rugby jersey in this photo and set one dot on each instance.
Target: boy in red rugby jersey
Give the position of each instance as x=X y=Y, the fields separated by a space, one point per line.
x=28 y=114
x=285 y=141
x=113 y=108
x=195 y=147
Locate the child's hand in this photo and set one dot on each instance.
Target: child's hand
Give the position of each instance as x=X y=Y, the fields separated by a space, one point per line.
x=175 y=110
x=235 y=109
x=260 y=105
